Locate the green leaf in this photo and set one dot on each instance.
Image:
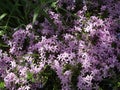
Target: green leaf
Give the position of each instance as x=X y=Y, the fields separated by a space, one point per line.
x=54 y=4
x=2 y=85
x=1 y=33
x=36 y=13
x=2 y=16
x=118 y=84
x=3 y=45
x=30 y=77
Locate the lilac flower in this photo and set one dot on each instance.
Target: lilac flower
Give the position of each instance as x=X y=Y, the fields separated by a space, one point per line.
x=24 y=88
x=10 y=80
x=91 y=40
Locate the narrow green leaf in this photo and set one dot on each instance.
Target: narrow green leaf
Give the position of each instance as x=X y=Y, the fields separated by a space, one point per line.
x=36 y=13
x=3 y=45
x=2 y=16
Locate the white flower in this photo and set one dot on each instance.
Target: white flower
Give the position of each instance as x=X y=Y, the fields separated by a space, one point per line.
x=13 y=64
x=88 y=79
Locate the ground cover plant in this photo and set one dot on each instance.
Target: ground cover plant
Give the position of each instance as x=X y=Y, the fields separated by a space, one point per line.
x=59 y=45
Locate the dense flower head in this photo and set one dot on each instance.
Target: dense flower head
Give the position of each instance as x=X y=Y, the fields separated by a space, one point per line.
x=87 y=49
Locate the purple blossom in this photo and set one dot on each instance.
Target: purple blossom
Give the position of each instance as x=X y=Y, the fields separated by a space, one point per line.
x=92 y=41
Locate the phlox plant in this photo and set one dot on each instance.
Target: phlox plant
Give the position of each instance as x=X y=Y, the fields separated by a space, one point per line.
x=59 y=45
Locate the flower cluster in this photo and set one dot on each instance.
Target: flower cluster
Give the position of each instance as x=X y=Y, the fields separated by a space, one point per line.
x=82 y=54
